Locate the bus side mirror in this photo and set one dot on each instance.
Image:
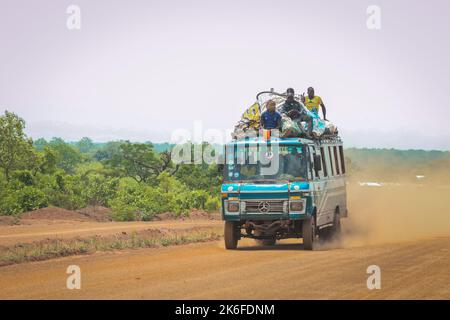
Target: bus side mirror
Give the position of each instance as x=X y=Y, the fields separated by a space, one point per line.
x=317 y=163
x=220 y=168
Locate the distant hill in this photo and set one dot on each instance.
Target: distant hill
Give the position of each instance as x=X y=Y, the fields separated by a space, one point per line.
x=394 y=156
x=160 y=147
x=398 y=165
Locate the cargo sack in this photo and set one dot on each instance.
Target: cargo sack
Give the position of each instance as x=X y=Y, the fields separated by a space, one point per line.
x=243 y=130
x=330 y=128
x=289 y=128
x=318 y=127
x=250 y=120
x=252 y=115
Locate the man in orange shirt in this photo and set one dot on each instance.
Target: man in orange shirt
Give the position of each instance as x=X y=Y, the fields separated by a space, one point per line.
x=313 y=103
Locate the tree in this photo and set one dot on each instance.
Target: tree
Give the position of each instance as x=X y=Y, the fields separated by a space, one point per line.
x=98 y=189
x=108 y=151
x=85 y=145
x=202 y=176
x=40 y=144
x=16 y=150
x=140 y=162
x=67 y=157
x=56 y=141
x=48 y=160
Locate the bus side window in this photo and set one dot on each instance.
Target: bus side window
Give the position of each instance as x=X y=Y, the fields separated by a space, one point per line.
x=336 y=161
x=324 y=163
x=331 y=160
x=341 y=153
x=319 y=174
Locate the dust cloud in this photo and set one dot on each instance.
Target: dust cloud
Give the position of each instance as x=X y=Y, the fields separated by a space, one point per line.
x=396 y=212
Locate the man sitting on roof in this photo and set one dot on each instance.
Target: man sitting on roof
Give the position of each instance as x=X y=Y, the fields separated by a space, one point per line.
x=313 y=103
x=294 y=110
x=271 y=119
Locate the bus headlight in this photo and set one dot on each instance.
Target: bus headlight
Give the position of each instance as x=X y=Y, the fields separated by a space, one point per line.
x=233 y=207
x=296 y=206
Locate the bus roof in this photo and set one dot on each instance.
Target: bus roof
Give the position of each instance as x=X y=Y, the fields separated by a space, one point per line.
x=281 y=141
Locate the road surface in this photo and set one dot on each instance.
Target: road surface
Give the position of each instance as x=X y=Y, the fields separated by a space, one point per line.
x=409 y=270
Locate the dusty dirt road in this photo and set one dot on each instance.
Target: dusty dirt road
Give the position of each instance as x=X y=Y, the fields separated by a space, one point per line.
x=409 y=270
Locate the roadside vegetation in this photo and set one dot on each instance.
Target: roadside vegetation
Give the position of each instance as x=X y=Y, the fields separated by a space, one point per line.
x=151 y=238
x=135 y=180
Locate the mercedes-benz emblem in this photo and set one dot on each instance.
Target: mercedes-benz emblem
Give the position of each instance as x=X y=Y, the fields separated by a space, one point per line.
x=264 y=207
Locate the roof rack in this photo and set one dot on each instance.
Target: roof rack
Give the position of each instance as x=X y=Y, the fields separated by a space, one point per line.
x=329 y=138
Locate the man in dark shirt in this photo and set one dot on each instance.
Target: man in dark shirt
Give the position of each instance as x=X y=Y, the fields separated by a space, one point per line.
x=295 y=110
x=271 y=119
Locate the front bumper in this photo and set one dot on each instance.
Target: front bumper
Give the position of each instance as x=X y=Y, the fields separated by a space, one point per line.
x=278 y=209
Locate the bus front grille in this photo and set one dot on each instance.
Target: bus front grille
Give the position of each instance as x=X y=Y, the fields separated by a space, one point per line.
x=264 y=206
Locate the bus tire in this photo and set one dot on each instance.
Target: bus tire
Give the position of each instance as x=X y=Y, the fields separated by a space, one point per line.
x=231 y=235
x=336 y=227
x=309 y=233
x=326 y=234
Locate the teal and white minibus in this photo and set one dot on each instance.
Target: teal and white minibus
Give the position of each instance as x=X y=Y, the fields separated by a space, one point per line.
x=283 y=188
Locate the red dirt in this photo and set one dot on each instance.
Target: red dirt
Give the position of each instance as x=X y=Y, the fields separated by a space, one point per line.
x=54 y=213
x=201 y=214
x=195 y=214
x=8 y=221
x=97 y=213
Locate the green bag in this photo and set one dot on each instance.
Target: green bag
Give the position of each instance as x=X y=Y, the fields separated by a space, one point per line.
x=289 y=128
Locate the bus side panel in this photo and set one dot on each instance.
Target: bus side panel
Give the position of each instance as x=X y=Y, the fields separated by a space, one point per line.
x=330 y=195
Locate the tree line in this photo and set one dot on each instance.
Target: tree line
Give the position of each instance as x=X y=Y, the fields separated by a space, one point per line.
x=132 y=179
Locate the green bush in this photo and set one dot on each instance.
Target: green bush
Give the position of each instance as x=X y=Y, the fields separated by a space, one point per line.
x=182 y=203
x=139 y=201
x=67 y=191
x=31 y=198
x=153 y=201
x=69 y=201
x=122 y=211
x=212 y=204
x=98 y=190
x=199 y=198
x=23 y=176
x=25 y=199
x=9 y=205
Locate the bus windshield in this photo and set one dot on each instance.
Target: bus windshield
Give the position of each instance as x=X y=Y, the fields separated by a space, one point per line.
x=251 y=164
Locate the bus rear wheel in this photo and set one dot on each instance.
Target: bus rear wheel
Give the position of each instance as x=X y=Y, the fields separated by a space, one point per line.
x=337 y=227
x=332 y=233
x=231 y=235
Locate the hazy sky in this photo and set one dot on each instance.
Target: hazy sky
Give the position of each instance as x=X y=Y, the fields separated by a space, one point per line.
x=139 y=69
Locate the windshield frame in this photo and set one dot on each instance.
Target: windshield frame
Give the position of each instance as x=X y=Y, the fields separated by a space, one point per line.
x=284 y=176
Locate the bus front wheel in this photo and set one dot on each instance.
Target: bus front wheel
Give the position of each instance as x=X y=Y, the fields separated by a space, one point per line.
x=231 y=235
x=309 y=233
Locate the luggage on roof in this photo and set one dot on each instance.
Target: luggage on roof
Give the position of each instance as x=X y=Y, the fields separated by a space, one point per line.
x=250 y=122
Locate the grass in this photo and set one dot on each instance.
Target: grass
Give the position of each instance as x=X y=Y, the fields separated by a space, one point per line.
x=151 y=238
